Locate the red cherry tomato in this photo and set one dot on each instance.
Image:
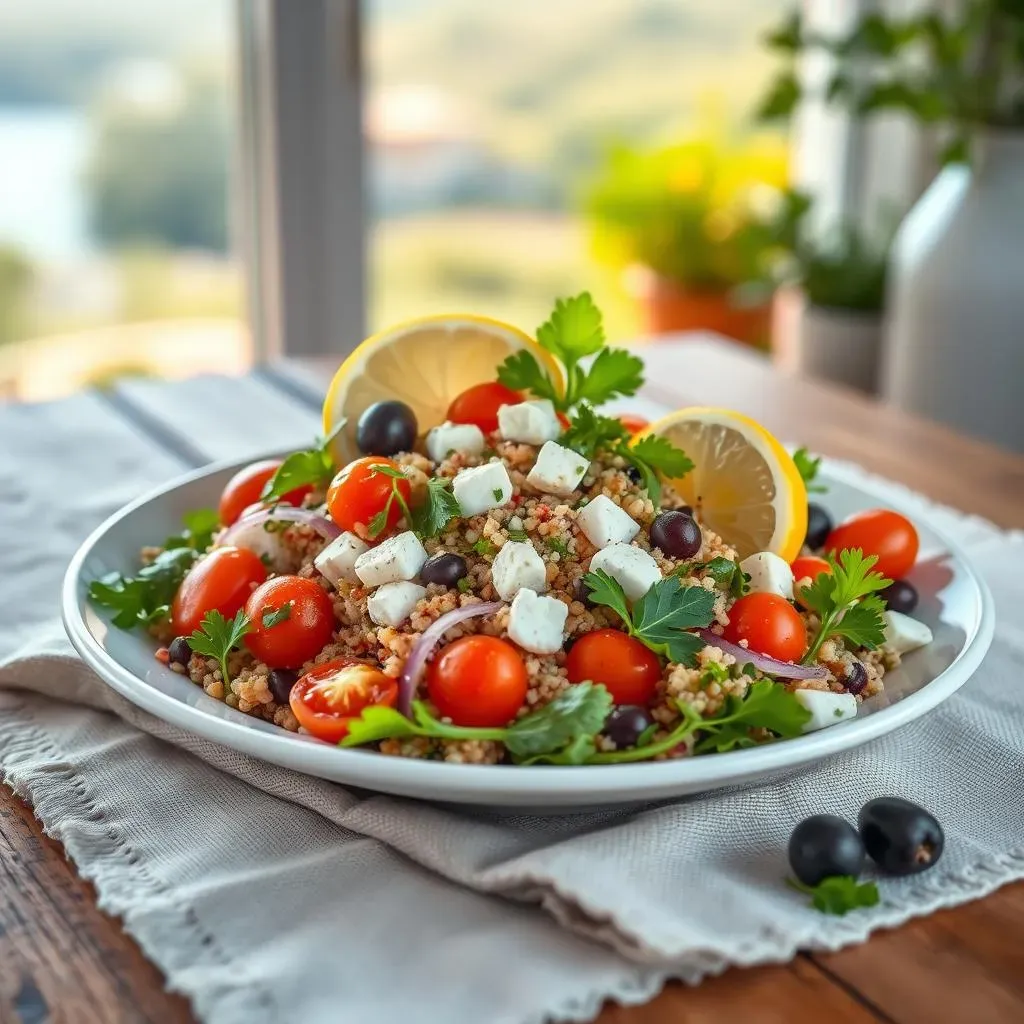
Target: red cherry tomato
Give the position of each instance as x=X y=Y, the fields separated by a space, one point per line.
x=292 y=619
x=880 y=532
x=633 y=423
x=480 y=403
x=329 y=696
x=624 y=666
x=244 y=489
x=809 y=567
x=770 y=625
x=478 y=681
x=358 y=493
x=221 y=582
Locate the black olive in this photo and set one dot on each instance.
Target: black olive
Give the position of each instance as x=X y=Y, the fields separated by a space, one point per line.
x=899 y=596
x=901 y=837
x=581 y=593
x=626 y=724
x=819 y=526
x=856 y=678
x=386 y=428
x=825 y=845
x=281 y=681
x=179 y=651
x=444 y=568
x=676 y=533
x=634 y=474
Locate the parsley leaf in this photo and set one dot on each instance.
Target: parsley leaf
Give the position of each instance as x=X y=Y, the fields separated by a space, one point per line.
x=200 y=526
x=863 y=624
x=378 y=524
x=807 y=466
x=659 y=453
x=589 y=431
x=521 y=372
x=766 y=705
x=838 y=894
x=613 y=373
x=579 y=750
x=605 y=590
x=217 y=637
x=575 y=329
x=484 y=547
x=438 y=508
x=556 y=544
x=379 y=723
x=145 y=598
x=270 y=617
x=728 y=575
x=312 y=467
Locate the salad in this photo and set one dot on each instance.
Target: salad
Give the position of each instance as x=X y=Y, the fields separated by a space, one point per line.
x=477 y=565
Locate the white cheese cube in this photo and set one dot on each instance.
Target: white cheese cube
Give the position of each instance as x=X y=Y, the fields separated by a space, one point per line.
x=536 y=623
x=392 y=604
x=337 y=561
x=515 y=567
x=904 y=634
x=632 y=568
x=769 y=574
x=397 y=558
x=532 y=422
x=465 y=438
x=557 y=470
x=606 y=523
x=482 y=488
x=826 y=708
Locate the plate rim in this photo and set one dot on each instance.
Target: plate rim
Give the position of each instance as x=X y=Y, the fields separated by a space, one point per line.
x=477 y=783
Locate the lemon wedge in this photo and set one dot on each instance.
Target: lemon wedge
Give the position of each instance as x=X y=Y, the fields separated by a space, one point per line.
x=744 y=484
x=425 y=363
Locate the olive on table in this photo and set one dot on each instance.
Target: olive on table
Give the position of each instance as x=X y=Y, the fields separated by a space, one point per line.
x=445 y=569
x=626 y=724
x=281 y=681
x=900 y=837
x=900 y=596
x=386 y=428
x=819 y=526
x=823 y=846
x=676 y=533
x=179 y=651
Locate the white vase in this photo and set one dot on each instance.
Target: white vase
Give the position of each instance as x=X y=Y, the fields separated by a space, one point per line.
x=954 y=348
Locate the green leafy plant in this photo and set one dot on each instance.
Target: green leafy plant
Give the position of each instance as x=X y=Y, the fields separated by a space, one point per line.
x=312 y=466
x=839 y=894
x=807 y=466
x=217 y=637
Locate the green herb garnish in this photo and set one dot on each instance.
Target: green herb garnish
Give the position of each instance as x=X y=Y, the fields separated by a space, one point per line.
x=484 y=547
x=728 y=575
x=313 y=467
x=270 y=617
x=463 y=585
x=557 y=544
x=217 y=637
x=200 y=526
x=839 y=894
x=766 y=705
x=146 y=597
x=378 y=524
x=807 y=466
x=438 y=508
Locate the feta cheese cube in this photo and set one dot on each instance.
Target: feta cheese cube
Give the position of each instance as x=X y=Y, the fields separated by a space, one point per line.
x=397 y=558
x=632 y=568
x=769 y=574
x=557 y=470
x=337 y=561
x=392 y=603
x=515 y=567
x=482 y=488
x=465 y=438
x=606 y=523
x=536 y=623
x=826 y=708
x=904 y=634
x=532 y=422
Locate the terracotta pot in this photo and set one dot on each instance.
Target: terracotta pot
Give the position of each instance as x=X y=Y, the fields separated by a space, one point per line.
x=668 y=307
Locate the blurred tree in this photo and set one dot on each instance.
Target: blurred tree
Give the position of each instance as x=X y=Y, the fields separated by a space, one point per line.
x=159 y=171
x=16 y=276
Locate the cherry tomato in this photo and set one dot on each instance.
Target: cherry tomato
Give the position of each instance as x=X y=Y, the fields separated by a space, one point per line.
x=770 y=625
x=358 y=493
x=478 y=680
x=809 y=567
x=329 y=696
x=222 y=581
x=480 y=403
x=633 y=423
x=292 y=618
x=624 y=666
x=244 y=488
x=880 y=532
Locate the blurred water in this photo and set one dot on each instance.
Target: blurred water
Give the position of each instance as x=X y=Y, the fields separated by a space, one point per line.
x=42 y=202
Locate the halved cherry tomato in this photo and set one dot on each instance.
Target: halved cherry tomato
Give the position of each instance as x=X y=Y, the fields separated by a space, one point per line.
x=633 y=423
x=358 y=493
x=480 y=403
x=770 y=625
x=880 y=532
x=478 y=680
x=624 y=666
x=244 y=488
x=329 y=696
x=809 y=567
x=291 y=619
x=221 y=582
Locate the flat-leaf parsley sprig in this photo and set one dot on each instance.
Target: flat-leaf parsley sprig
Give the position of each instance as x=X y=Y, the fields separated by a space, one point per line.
x=313 y=466
x=838 y=894
x=438 y=507
x=217 y=637
x=847 y=602
x=807 y=466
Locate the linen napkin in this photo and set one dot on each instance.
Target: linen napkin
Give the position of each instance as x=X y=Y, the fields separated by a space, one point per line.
x=268 y=896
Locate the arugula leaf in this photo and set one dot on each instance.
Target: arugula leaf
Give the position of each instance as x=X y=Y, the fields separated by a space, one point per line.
x=575 y=329
x=766 y=705
x=615 y=372
x=145 y=598
x=438 y=508
x=312 y=467
x=200 y=526
x=668 y=608
x=839 y=894
x=217 y=637
x=521 y=372
x=807 y=466
x=270 y=617
x=833 y=596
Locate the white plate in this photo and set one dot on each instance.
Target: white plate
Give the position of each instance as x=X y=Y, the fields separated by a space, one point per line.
x=954 y=602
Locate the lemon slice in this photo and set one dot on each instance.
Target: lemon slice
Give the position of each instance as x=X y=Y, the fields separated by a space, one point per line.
x=425 y=363
x=744 y=483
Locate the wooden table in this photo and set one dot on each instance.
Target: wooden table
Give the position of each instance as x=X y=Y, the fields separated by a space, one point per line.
x=62 y=960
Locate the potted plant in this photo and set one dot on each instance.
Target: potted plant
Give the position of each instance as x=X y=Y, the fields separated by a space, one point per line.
x=953 y=347
x=685 y=223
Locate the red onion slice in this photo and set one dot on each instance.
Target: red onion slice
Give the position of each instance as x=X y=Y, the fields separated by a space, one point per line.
x=286 y=513
x=417 y=660
x=762 y=662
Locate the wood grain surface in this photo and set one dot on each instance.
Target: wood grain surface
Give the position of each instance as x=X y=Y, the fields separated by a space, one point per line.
x=62 y=960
